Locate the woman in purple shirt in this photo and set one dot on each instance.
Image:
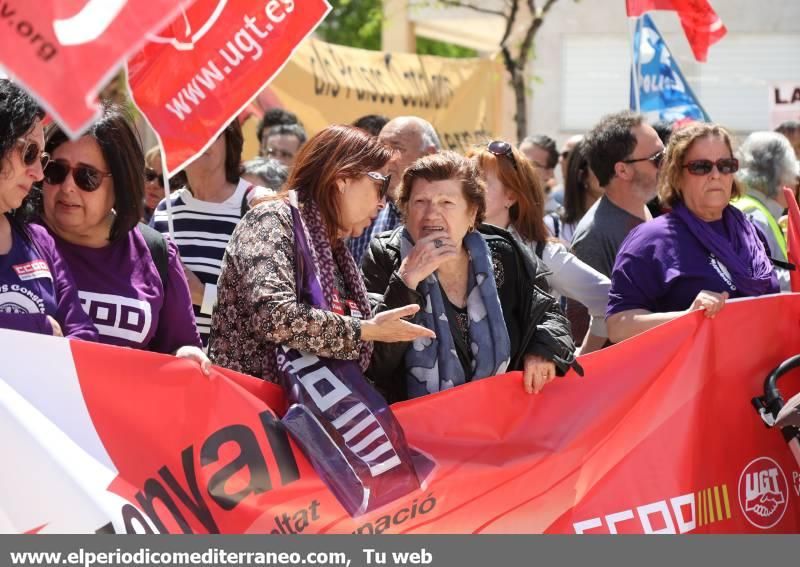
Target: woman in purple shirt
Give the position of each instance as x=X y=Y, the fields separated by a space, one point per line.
x=91 y=205
x=37 y=293
x=698 y=255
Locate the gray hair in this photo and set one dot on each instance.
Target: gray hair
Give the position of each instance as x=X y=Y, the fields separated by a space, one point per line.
x=427 y=132
x=767 y=162
x=429 y=136
x=272 y=172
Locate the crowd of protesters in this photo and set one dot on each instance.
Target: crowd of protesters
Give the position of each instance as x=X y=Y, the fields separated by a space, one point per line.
x=368 y=242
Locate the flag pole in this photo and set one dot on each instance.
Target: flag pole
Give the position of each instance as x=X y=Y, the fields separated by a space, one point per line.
x=635 y=61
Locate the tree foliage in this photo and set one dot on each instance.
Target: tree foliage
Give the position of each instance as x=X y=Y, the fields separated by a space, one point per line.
x=358 y=23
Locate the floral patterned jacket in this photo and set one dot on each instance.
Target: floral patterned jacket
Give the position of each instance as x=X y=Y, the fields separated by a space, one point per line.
x=257 y=305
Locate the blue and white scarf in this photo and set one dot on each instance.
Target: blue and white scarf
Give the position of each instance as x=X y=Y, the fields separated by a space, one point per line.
x=432 y=365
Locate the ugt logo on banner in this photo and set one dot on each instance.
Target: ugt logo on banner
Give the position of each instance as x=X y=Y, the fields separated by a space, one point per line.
x=65 y=51
x=197 y=74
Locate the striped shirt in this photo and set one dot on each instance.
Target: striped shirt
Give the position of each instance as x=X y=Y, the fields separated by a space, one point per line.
x=202 y=231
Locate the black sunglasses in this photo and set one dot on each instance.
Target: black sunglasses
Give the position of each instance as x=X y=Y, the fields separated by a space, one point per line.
x=86 y=177
x=725 y=166
x=31 y=152
x=384 y=180
x=501 y=148
x=151 y=175
x=655 y=159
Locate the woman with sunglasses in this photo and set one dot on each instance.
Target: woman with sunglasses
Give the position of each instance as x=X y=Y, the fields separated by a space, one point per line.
x=91 y=204
x=514 y=201
x=475 y=283
x=37 y=292
x=698 y=255
x=337 y=186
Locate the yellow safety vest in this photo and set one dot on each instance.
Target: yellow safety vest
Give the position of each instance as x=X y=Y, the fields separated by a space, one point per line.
x=747 y=204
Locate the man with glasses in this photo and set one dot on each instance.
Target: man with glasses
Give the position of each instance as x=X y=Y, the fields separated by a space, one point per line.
x=411 y=138
x=624 y=152
x=282 y=142
x=542 y=152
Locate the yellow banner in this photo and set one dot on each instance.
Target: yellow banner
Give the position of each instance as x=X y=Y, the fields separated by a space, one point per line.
x=328 y=84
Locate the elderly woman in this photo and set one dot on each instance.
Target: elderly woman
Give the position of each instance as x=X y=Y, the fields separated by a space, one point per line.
x=514 y=201
x=766 y=164
x=338 y=185
x=37 y=293
x=478 y=291
x=130 y=278
x=698 y=255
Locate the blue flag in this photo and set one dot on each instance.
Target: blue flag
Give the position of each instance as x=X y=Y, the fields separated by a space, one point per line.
x=664 y=93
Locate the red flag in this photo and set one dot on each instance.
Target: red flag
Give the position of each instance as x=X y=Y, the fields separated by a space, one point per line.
x=793 y=237
x=636 y=8
x=205 y=68
x=64 y=52
x=701 y=24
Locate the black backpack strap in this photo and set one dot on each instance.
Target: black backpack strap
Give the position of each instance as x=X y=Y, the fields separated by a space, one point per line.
x=540 y=248
x=245 y=206
x=157 y=245
x=556 y=225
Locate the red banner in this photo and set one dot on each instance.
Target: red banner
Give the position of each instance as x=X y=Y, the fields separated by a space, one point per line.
x=64 y=52
x=701 y=24
x=659 y=437
x=205 y=68
x=793 y=237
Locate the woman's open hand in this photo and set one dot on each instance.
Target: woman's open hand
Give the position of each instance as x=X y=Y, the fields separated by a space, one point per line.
x=390 y=327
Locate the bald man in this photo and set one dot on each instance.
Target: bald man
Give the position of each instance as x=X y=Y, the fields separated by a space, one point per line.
x=411 y=138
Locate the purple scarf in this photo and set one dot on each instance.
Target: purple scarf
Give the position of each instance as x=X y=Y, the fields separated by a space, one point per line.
x=326 y=258
x=742 y=252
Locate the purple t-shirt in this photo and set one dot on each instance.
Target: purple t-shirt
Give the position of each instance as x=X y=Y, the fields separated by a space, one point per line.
x=662 y=267
x=121 y=290
x=34 y=283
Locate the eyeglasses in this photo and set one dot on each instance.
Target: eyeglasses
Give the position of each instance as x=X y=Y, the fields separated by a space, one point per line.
x=152 y=176
x=655 y=159
x=501 y=148
x=384 y=180
x=725 y=166
x=31 y=152
x=278 y=153
x=86 y=177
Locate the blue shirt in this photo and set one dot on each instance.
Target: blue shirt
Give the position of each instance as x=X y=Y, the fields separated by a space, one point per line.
x=387 y=219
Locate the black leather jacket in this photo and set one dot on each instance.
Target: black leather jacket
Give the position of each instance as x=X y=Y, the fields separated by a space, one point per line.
x=536 y=324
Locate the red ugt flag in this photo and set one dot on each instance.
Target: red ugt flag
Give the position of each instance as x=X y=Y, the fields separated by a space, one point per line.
x=701 y=24
x=64 y=52
x=205 y=68
x=793 y=237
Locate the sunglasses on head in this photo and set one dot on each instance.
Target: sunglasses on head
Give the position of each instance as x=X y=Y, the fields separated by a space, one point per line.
x=85 y=177
x=725 y=166
x=31 y=152
x=384 y=180
x=655 y=159
x=501 y=148
x=151 y=176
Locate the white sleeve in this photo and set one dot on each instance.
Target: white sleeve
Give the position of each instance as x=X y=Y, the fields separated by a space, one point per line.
x=576 y=280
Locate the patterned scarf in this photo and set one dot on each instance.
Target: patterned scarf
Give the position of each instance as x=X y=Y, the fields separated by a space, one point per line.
x=326 y=258
x=432 y=365
x=742 y=252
